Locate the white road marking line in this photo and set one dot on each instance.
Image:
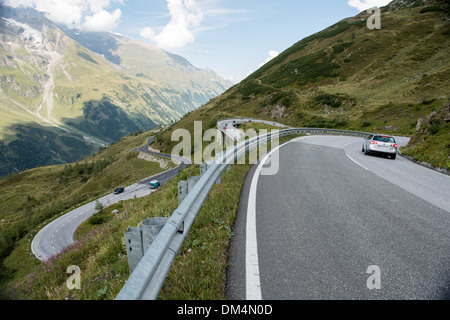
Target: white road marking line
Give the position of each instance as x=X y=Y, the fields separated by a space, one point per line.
x=359 y=164
x=253 y=281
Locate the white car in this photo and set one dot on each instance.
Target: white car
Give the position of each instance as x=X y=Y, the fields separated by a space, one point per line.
x=381 y=144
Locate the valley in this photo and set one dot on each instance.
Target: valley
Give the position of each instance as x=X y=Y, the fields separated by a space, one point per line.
x=79 y=95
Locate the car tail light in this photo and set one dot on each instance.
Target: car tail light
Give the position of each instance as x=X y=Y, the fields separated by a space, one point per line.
x=394 y=145
x=373 y=142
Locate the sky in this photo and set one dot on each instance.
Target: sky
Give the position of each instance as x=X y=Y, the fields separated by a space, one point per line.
x=231 y=37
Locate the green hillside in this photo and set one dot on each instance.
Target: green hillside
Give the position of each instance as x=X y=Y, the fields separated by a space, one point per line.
x=32 y=198
x=60 y=102
x=350 y=77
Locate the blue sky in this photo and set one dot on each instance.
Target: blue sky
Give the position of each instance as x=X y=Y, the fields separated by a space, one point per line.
x=231 y=37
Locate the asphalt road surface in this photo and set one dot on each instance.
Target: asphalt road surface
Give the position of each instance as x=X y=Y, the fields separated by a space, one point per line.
x=331 y=215
x=58 y=234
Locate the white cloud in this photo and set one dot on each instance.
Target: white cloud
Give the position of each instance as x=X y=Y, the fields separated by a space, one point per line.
x=186 y=16
x=87 y=14
x=18 y=3
x=272 y=54
x=102 y=21
x=362 y=5
x=239 y=77
x=147 y=33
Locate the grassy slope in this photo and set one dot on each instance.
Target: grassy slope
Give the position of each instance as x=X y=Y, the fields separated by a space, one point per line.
x=347 y=77
x=81 y=78
x=151 y=87
x=89 y=72
x=198 y=272
x=431 y=142
x=34 y=196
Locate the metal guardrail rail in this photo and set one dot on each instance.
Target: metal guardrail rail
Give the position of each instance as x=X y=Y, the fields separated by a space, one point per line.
x=146 y=280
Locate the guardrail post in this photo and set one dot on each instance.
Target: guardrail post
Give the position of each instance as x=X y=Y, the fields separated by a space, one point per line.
x=203 y=169
x=137 y=240
x=150 y=229
x=182 y=190
x=135 y=251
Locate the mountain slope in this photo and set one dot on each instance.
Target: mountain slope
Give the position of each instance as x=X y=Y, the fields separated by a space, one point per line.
x=60 y=102
x=350 y=77
x=147 y=61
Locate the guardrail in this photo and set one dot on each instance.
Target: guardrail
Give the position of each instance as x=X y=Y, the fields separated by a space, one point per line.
x=148 y=276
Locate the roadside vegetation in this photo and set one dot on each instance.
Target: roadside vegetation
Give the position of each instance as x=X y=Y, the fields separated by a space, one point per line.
x=32 y=198
x=198 y=272
x=431 y=142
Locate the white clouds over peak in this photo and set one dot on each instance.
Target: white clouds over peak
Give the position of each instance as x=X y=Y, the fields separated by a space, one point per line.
x=238 y=78
x=185 y=17
x=272 y=54
x=102 y=21
x=90 y=15
x=362 y=5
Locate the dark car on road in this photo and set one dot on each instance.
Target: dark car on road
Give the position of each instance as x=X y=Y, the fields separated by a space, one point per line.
x=119 y=190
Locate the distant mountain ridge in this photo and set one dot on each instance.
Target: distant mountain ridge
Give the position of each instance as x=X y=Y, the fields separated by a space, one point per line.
x=61 y=101
x=143 y=59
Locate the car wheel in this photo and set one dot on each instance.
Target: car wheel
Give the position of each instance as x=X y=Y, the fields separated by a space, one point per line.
x=366 y=152
x=394 y=156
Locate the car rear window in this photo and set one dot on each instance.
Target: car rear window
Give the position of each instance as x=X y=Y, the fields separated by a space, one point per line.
x=384 y=139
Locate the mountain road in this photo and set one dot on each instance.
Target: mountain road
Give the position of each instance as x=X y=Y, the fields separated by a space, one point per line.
x=332 y=215
x=59 y=234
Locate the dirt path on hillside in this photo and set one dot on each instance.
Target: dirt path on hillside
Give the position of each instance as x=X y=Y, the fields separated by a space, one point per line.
x=55 y=59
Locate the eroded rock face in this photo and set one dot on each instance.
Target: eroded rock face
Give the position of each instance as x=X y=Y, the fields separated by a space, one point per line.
x=420 y=124
x=163 y=163
x=436 y=117
x=447 y=116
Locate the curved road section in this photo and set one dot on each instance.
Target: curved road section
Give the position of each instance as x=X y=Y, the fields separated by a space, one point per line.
x=58 y=234
x=228 y=126
x=336 y=224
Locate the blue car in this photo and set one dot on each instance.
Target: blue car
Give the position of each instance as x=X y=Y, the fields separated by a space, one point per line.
x=155 y=184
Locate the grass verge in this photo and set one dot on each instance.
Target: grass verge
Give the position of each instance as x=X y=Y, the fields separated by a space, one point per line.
x=31 y=199
x=199 y=269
